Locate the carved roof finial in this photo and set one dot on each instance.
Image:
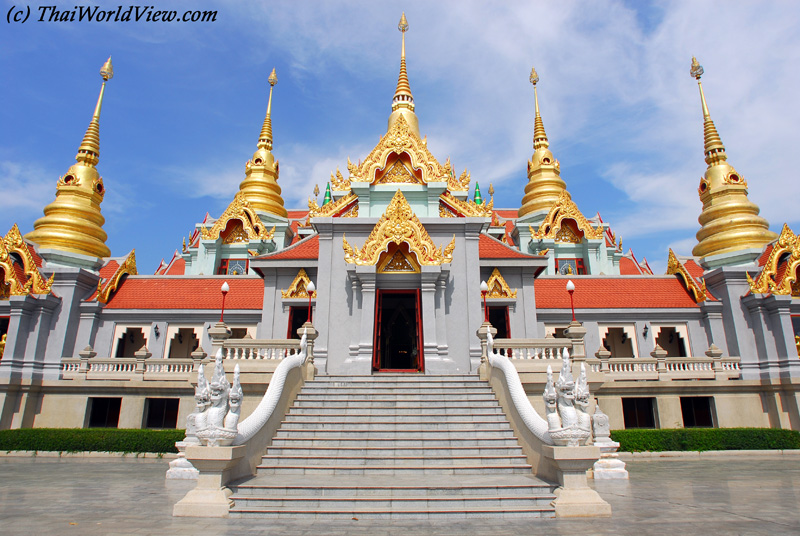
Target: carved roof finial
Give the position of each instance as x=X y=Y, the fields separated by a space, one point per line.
x=403 y=101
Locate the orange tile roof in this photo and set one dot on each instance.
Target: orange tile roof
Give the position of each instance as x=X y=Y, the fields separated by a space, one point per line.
x=490 y=248
x=694 y=269
x=507 y=212
x=109 y=269
x=176 y=267
x=762 y=260
x=137 y=292
x=613 y=293
x=297 y=214
x=308 y=248
x=627 y=266
x=37 y=260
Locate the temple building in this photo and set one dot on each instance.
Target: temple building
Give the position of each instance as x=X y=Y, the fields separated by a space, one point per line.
x=386 y=272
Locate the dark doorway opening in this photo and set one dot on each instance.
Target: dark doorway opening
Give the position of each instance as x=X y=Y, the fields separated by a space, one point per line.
x=297 y=317
x=398 y=332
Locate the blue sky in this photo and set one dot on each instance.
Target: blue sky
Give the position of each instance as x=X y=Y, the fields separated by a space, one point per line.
x=184 y=110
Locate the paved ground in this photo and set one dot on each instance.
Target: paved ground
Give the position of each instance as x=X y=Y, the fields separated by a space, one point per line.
x=730 y=496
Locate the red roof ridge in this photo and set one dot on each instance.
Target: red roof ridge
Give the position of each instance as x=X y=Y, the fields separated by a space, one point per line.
x=307 y=248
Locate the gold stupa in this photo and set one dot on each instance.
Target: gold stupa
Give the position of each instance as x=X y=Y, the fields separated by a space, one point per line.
x=729 y=220
x=260 y=186
x=73 y=222
x=403 y=101
x=545 y=185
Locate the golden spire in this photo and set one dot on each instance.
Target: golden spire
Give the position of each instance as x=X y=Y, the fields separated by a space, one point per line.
x=73 y=222
x=729 y=220
x=260 y=186
x=545 y=185
x=403 y=101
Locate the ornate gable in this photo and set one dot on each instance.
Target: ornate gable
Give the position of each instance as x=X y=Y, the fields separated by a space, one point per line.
x=698 y=290
x=399 y=225
x=399 y=140
x=128 y=267
x=498 y=288
x=345 y=207
x=779 y=275
x=30 y=281
x=251 y=226
x=564 y=209
x=298 y=287
x=450 y=206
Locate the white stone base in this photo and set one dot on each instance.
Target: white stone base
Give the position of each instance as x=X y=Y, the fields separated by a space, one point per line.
x=182 y=469
x=610 y=467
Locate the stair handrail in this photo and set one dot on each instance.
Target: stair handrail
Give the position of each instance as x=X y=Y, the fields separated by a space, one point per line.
x=534 y=422
x=256 y=420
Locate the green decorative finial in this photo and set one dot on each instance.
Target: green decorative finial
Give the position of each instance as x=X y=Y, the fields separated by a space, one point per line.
x=478 y=199
x=327 y=198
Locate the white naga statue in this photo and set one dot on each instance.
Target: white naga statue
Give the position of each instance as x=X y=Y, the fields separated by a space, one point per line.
x=566 y=406
x=216 y=425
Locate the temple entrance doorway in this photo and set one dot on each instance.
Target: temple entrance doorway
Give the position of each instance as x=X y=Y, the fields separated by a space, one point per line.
x=398 y=331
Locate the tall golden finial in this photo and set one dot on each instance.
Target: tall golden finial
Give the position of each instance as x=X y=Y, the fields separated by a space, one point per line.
x=260 y=186
x=73 y=222
x=729 y=221
x=403 y=101
x=539 y=135
x=265 y=140
x=545 y=185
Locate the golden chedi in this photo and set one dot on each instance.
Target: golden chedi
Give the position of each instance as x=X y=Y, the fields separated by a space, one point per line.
x=729 y=220
x=403 y=101
x=545 y=185
x=260 y=186
x=73 y=222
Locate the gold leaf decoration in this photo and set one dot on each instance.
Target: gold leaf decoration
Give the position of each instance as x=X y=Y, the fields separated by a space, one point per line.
x=498 y=288
x=128 y=267
x=239 y=209
x=338 y=183
x=298 y=288
x=465 y=208
x=675 y=266
x=563 y=209
x=785 y=249
x=34 y=282
x=398 y=225
x=334 y=208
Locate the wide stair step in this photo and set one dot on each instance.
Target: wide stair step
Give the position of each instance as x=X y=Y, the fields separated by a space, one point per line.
x=394 y=446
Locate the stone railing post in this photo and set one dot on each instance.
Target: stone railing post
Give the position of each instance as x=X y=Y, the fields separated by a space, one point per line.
x=311 y=334
x=218 y=333
x=142 y=355
x=576 y=332
x=661 y=357
x=85 y=356
x=197 y=359
x=603 y=355
x=575 y=498
x=716 y=362
x=483 y=331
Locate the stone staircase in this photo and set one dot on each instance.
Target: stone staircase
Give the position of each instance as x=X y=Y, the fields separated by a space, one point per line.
x=394 y=446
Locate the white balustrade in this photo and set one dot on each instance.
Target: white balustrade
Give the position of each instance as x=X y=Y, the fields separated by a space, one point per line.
x=538 y=349
x=253 y=349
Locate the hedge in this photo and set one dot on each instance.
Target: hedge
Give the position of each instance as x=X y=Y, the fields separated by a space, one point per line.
x=90 y=439
x=700 y=439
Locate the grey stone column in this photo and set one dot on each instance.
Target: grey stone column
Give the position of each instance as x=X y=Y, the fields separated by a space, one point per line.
x=778 y=309
x=428 y=304
x=266 y=329
x=87 y=327
x=712 y=320
x=363 y=361
x=441 y=327
x=36 y=366
x=760 y=366
x=21 y=310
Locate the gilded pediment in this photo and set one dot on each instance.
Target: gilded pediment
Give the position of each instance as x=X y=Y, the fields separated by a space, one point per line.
x=128 y=267
x=675 y=266
x=565 y=208
x=779 y=274
x=299 y=287
x=399 y=225
x=251 y=226
x=32 y=281
x=498 y=288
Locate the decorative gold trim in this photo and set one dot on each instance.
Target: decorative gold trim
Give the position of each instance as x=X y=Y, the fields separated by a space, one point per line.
x=460 y=184
x=397 y=261
x=338 y=182
x=128 y=267
x=498 y=288
x=397 y=225
x=765 y=283
x=239 y=209
x=674 y=266
x=334 y=208
x=34 y=283
x=563 y=209
x=298 y=287
x=397 y=173
x=465 y=208
x=400 y=139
